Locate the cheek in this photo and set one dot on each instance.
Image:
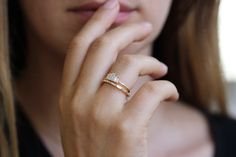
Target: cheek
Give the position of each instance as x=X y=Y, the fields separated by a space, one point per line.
x=36 y=12
x=45 y=22
x=156 y=11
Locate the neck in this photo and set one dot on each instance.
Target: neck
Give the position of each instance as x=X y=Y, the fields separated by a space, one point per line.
x=37 y=90
x=38 y=86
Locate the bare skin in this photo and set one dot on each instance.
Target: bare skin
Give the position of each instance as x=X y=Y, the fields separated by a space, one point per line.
x=146 y=116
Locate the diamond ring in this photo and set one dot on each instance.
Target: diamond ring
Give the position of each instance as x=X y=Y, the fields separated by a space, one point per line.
x=113 y=79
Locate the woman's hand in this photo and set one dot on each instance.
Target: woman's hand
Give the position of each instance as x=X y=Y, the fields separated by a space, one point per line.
x=96 y=119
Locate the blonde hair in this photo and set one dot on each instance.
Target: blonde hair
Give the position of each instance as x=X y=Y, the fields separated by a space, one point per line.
x=188 y=44
x=8 y=138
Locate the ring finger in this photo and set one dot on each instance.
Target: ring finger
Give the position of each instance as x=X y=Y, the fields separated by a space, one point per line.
x=129 y=68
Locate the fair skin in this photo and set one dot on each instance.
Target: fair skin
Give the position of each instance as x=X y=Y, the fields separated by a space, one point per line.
x=96 y=119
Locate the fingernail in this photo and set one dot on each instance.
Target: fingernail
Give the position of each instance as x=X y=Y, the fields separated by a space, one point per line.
x=110 y=4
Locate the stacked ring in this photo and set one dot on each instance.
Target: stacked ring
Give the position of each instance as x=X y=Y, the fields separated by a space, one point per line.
x=113 y=79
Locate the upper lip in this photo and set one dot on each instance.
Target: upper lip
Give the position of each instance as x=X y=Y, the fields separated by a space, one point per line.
x=93 y=6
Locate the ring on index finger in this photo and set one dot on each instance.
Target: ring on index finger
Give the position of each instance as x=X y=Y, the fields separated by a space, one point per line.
x=113 y=79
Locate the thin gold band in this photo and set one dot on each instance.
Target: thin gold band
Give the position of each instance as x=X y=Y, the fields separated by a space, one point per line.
x=121 y=87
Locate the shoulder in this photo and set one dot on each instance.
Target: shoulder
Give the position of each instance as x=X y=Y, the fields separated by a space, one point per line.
x=222 y=134
x=182 y=132
x=201 y=133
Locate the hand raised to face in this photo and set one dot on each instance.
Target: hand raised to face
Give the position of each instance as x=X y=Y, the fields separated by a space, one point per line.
x=95 y=118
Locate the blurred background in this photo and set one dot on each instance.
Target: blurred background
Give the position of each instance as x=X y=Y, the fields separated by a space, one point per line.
x=227 y=32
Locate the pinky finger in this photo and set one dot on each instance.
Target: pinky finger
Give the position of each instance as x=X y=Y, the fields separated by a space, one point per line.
x=143 y=104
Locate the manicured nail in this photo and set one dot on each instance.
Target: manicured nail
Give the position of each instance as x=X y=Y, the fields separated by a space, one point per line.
x=110 y=4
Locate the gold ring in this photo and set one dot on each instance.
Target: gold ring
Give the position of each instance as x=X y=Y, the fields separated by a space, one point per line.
x=113 y=79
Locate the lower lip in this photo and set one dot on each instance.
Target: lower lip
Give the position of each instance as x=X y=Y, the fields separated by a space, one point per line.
x=121 y=17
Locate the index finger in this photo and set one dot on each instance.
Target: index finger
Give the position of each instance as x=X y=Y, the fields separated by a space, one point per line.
x=95 y=27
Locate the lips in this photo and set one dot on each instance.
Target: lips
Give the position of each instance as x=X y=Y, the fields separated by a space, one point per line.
x=85 y=11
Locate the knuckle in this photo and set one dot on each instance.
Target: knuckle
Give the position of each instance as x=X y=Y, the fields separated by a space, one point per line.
x=100 y=41
x=76 y=42
x=123 y=127
x=127 y=129
x=150 y=87
x=77 y=109
x=98 y=119
x=127 y=60
x=77 y=112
